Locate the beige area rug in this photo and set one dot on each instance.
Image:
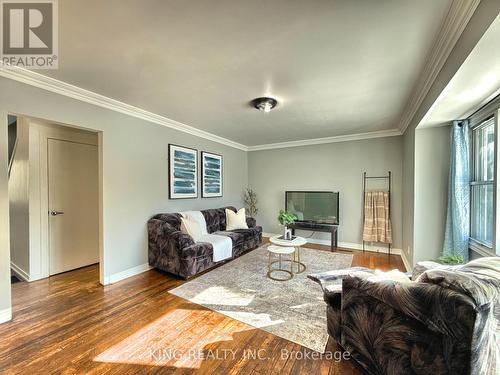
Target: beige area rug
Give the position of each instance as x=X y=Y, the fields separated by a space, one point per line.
x=293 y=310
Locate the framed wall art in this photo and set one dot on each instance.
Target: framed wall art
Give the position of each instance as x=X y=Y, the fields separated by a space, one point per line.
x=183 y=172
x=211 y=175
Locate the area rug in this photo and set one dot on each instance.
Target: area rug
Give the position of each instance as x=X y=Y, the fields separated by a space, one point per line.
x=293 y=309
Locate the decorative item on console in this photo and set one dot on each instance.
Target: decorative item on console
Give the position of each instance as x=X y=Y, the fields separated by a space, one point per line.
x=286 y=218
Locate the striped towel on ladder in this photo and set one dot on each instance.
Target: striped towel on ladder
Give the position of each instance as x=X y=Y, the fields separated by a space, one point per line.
x=377 y=225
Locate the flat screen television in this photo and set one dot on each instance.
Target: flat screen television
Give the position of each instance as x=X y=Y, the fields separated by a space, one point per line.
x=319 y=207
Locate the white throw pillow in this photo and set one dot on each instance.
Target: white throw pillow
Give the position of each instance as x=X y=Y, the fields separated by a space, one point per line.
x=236 y=220
x=191 y=228
x=198 y=217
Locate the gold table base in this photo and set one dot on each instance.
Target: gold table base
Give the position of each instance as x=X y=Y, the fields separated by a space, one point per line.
x=301 y=267
x=294 y=260
x=270 y=268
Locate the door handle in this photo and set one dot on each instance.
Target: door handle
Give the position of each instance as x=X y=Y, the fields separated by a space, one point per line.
x=55 y=213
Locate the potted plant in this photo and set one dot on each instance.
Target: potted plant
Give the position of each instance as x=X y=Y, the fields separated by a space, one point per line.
x=250 y=200
x=286 y=218
x=451 y=259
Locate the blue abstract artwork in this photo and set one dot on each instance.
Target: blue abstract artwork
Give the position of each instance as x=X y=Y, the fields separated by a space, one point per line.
x=183 y=171
x=211 y=175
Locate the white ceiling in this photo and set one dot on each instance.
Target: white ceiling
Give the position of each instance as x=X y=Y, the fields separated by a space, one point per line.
x=338 y=67
x=475 y=83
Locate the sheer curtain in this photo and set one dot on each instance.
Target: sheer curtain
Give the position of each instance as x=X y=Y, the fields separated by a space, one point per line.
x=456 y=240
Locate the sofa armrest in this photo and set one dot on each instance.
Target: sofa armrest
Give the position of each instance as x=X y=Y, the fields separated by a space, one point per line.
x=324 y=277
x=332 y=295
x=182 y=240
x=331 y=282
x=423 y=266
x=251 y=222
x=163 y=232
x=440 y=309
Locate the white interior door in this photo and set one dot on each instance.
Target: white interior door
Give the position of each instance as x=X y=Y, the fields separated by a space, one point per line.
x=73 y=205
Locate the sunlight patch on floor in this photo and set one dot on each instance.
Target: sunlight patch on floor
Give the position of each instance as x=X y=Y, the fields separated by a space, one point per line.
x=218 y=295
x=302 y=306
x=256 y=320
x=177 y=339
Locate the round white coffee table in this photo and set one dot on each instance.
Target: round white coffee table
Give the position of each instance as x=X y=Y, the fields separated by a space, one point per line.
x=280 y=251
x=296 y=243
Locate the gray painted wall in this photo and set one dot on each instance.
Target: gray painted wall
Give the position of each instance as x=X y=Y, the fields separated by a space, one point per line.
x=432 y=165
x=484 y=15
x=135 y=168
x=408 y=192
x=334 y=166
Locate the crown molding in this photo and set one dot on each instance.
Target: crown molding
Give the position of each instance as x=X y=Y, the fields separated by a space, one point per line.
x=50 y=84
x=457 y=18
x=335 y=139
x=62 y=88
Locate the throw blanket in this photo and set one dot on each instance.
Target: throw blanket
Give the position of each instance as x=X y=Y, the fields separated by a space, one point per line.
x=222 y=245
x=377 y=225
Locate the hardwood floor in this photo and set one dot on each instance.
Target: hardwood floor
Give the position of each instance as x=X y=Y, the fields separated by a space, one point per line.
x=69 y=324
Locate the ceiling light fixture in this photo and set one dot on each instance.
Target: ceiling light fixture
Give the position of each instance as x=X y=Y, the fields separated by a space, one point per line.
x=264 y=104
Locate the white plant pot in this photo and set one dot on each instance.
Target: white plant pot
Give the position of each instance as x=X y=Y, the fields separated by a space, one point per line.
x=287 y=233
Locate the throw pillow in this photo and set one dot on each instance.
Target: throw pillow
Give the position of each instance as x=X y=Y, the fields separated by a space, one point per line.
x=198 y=217
x=236 y=220
x=191 y=228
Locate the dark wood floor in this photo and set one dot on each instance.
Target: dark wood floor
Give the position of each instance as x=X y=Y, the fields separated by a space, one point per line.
x=69 y=324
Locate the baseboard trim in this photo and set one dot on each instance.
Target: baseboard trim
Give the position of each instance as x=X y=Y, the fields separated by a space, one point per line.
x=372 y=248
x=19 y=272
x=114 y=278
x=5 y=315
x=406 y=262
x=349 y=245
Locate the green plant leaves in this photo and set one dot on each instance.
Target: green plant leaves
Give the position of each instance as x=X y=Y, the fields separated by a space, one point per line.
x=286 y=218
x=452 y=259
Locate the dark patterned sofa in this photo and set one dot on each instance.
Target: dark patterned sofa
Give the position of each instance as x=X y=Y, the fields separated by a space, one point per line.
x=446 y=322
x=172 y=251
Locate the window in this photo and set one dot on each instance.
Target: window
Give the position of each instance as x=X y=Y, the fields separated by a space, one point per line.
x=482 y=184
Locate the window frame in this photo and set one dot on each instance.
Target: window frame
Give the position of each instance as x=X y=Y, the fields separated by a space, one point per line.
x=476 y=121
x=478 y=245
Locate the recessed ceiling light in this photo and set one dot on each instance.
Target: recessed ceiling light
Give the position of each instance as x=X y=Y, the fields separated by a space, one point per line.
x=264 y=104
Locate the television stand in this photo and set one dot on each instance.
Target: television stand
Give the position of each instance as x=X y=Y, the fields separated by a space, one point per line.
x=316 y=227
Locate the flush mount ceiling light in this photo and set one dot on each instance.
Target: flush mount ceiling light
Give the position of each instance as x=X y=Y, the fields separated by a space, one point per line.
x=264 y=104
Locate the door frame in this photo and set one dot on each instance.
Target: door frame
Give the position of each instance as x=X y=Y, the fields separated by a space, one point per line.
x=5 y=284
x=40 y=133
x=45 y=202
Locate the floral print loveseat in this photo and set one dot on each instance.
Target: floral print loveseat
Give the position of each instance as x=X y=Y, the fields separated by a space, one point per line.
x=445 y=321
x=172 y=251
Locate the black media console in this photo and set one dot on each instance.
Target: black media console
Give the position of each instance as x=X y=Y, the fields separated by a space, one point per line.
x=317 y=227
